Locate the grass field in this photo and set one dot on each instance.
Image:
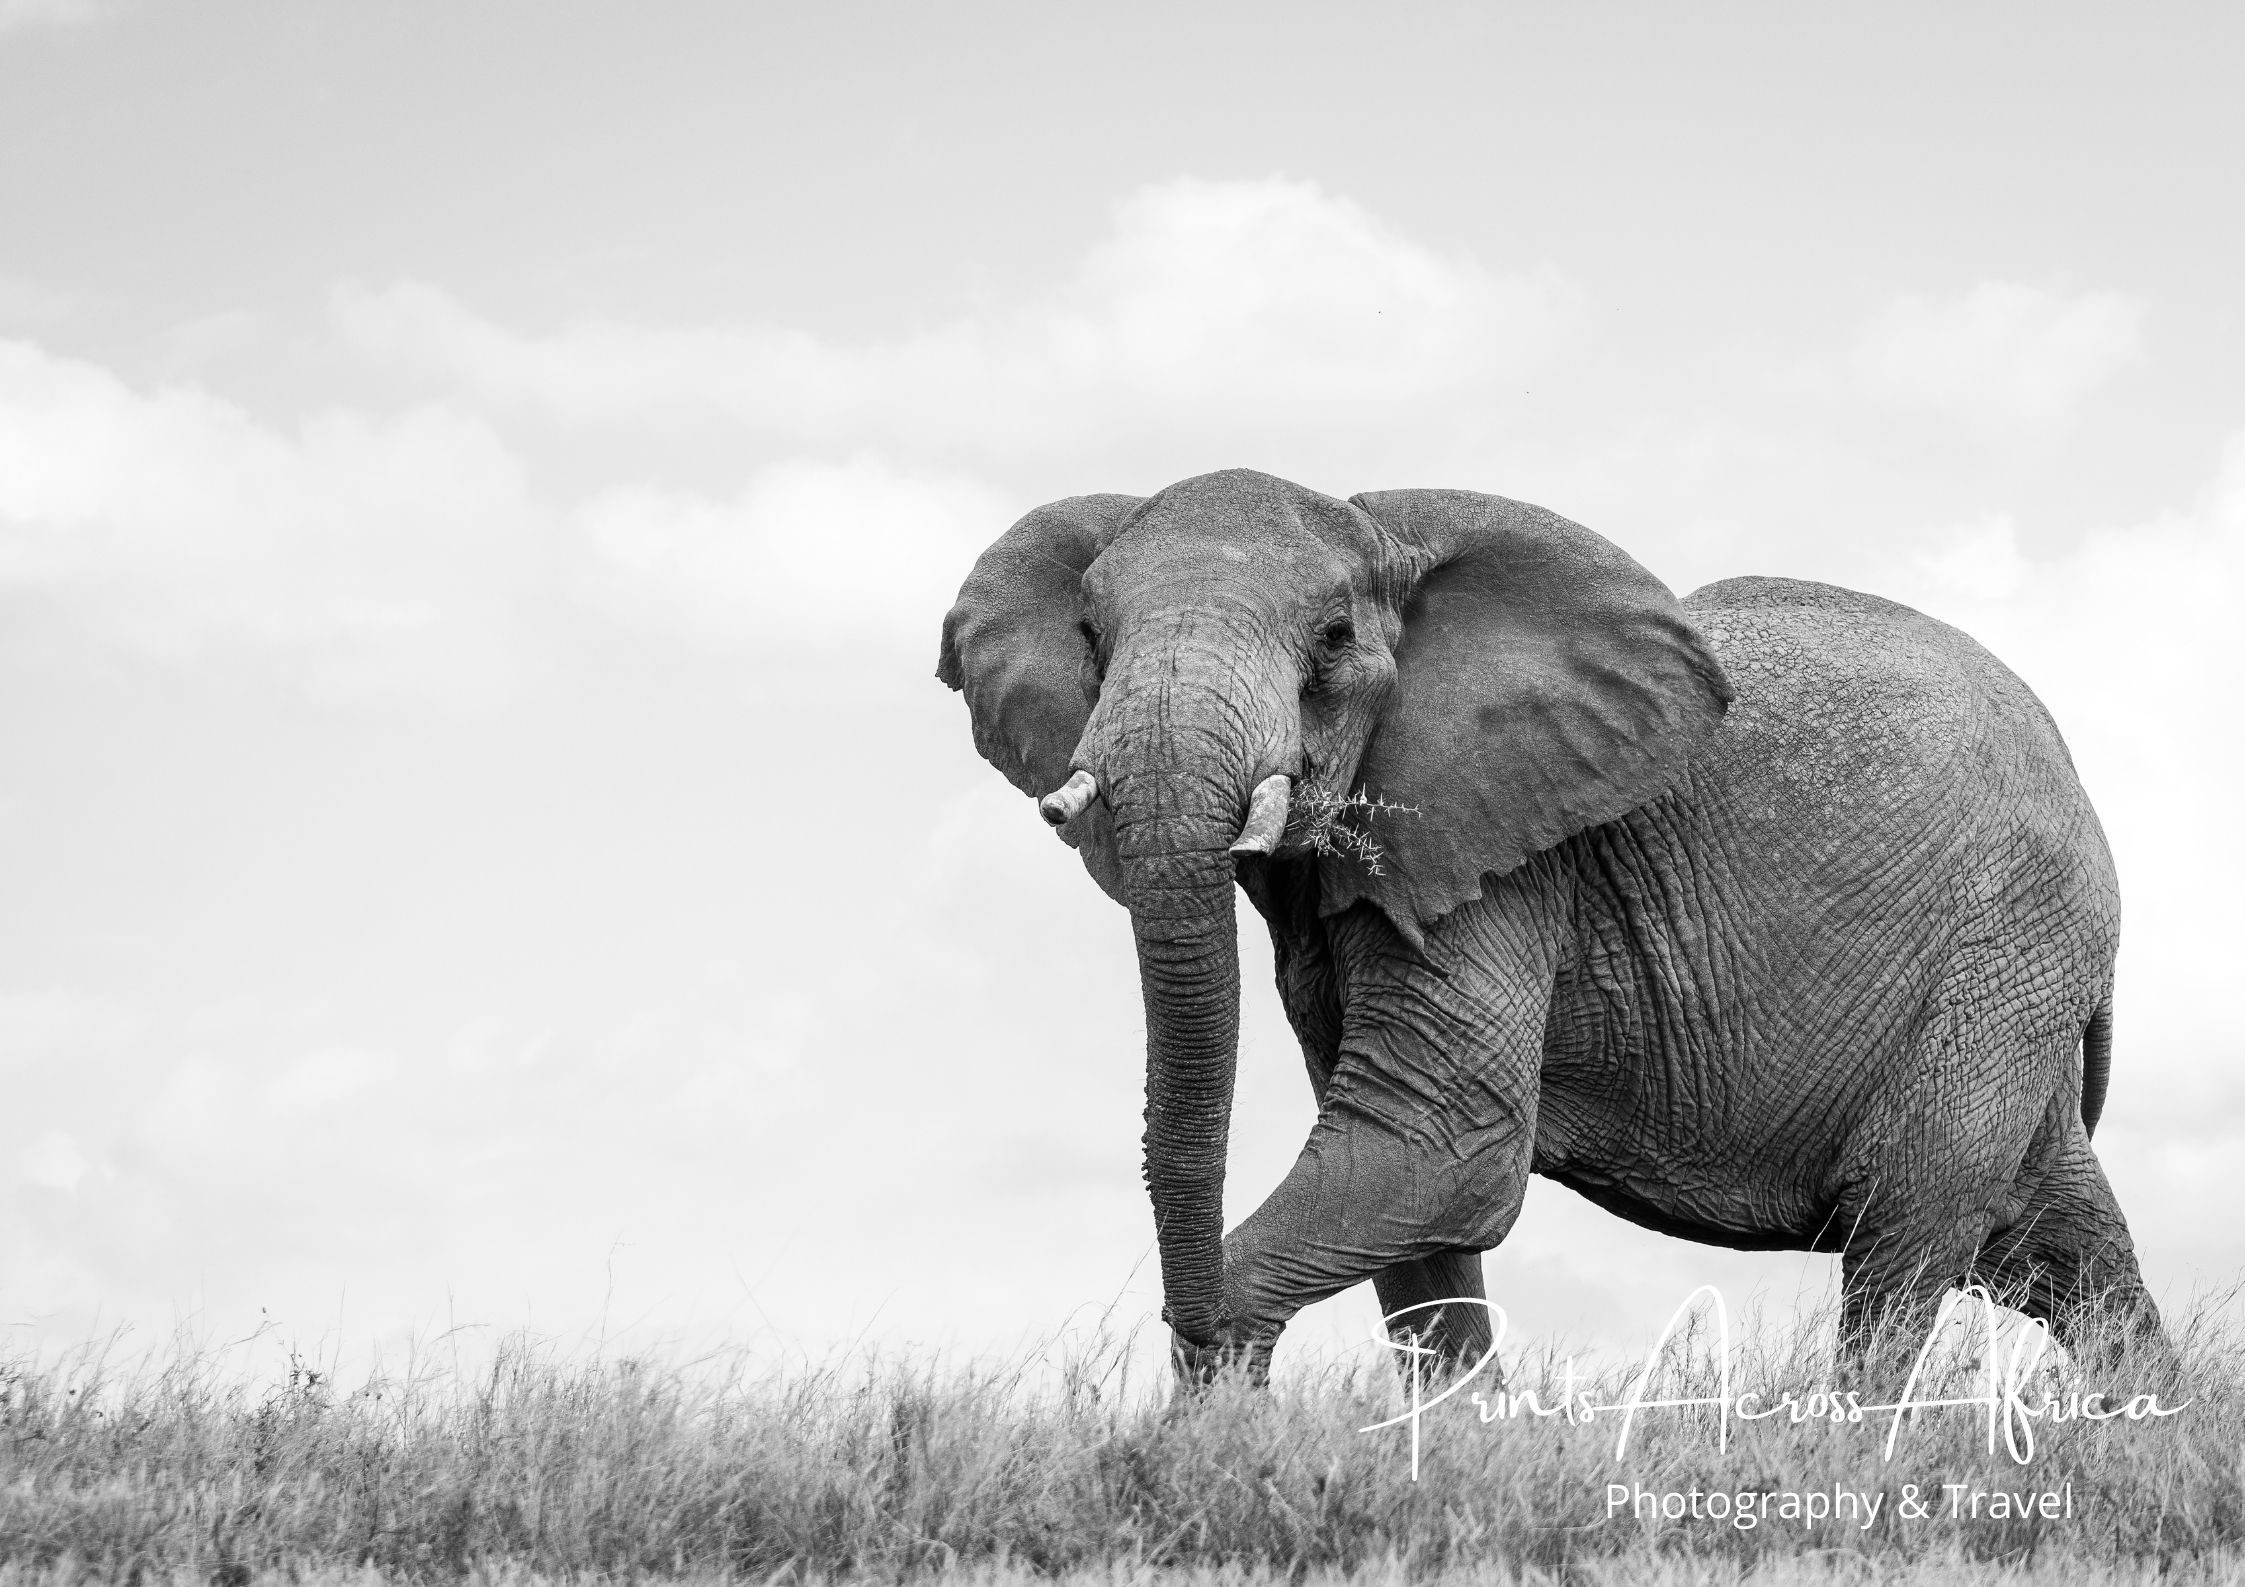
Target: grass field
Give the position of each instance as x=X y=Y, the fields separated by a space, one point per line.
x=532 y=1465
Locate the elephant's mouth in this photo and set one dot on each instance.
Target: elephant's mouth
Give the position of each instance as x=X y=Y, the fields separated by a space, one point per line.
x=1290 y=818
x=1286 y=818
x=1325 y=822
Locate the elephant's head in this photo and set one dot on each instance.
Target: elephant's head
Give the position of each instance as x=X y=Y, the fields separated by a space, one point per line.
x=1211 y=671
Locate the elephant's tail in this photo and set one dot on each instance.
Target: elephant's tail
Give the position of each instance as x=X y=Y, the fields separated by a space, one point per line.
x=2096 y=1062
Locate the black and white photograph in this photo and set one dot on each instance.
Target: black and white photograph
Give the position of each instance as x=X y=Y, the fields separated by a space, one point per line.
x=1244 y=794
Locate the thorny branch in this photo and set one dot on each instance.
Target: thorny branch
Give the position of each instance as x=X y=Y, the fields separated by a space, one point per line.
x=1325 y=822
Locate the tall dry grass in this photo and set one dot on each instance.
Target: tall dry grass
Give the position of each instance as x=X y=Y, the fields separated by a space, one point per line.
x=537 y=1465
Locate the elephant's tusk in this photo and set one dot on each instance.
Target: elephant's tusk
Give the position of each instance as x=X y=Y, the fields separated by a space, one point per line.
x=1069 y=800
x=1266 y=816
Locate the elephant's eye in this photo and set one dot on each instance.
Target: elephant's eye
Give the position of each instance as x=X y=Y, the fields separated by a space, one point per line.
x=1334 y=638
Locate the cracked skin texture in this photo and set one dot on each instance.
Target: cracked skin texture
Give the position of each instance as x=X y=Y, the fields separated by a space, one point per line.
x=1828 y=993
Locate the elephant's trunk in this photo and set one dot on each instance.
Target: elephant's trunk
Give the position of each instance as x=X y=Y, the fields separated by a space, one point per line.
x=1176 y=756
x=1188 y=973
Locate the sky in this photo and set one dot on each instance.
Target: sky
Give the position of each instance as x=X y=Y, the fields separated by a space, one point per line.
x=482 y=846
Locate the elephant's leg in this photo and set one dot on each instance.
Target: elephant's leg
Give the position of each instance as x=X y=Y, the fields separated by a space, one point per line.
x=2067 y=1257
x=1459 y=1335
x=1940 y=1169
x=1370 y=1196
x=1971 y=1186
x=1426 y=1130
x=1924 y=1203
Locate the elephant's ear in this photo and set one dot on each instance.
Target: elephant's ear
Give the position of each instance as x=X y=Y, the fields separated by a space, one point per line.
x=1013 y=643
x=1545 y=683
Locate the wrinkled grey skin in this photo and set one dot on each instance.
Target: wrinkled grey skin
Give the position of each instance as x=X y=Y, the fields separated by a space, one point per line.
x=1775 y=918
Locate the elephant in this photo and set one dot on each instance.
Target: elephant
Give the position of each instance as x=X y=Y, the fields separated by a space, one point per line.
x=1774 y=917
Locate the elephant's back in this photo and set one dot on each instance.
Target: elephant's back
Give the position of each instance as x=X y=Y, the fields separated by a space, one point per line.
x=1838 y=688
x=1865 y=733
x=1759 y=590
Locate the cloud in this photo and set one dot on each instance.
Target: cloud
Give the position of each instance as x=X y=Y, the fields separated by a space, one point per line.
x=809 y=554
x=46 y=1026
x=1238 y=308
x=1980 y=562
x=21 y=16
x=378 y=555
x=2001 y=358
x=323 y=1078
x=406 y=556
x=53 y=1162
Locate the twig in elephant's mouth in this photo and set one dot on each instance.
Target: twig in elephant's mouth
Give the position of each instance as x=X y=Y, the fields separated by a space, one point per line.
x=1325 y=822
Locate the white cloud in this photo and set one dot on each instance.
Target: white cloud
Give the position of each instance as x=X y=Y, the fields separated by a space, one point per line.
x=59 y=1027
x=323 y=1078
x=53 y=1162
x=23 y=15
x=809 y=554
x=1979 y=562
x=1242 y=308
x=2003 y=357
x=378 y=555
x=406 y=556
x=786 y=1031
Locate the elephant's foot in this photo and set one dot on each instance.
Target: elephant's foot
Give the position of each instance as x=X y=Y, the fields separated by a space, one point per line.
x=2110 y=1331
x=1244 y=1357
